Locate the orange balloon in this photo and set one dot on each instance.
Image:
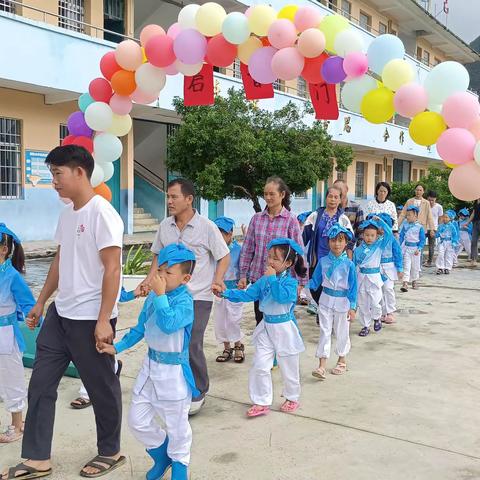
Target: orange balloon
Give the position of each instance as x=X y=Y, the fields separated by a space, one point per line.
x=123 y=82
x=104 y=191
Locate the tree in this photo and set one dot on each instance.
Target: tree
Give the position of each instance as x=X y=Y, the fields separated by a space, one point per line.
x=231 y=148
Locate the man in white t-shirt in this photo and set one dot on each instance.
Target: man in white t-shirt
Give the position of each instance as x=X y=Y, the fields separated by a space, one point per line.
x=437 y=212
x=187 y=226
x=87 y=273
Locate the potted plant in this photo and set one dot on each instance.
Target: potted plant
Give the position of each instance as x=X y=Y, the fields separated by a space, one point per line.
x=136 y=266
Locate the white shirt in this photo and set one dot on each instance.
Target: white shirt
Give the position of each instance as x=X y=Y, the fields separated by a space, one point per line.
x=81 y=235
x=386 y=207
x=203 y=237
x=437 y=212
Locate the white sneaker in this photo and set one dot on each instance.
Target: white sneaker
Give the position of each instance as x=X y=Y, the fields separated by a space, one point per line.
x=196 y=406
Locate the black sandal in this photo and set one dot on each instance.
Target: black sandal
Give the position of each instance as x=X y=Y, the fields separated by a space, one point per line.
x=239 y=356
x=80 y=403
x=225 y=356
x=103 y=470
x=30 y=472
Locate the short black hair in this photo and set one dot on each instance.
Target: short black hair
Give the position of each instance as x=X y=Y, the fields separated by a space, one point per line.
x=186 y=186
x=384 y=185
x=71 y=156
x=296 y=260
x=188 y=267
x=432 y=194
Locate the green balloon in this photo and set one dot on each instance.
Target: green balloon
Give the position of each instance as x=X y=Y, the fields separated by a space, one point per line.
x=84 y=101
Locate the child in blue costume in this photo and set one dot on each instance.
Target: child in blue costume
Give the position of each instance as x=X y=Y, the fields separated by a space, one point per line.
x=466 y=229
x=228 y=315
x=412 y=241
x=165 y=384
x=337 y=275
x=278 y=335
x=448 y=236
x=367 y=258
x=16 y=300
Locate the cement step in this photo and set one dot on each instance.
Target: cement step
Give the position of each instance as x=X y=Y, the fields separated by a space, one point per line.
x=138 y=210
x=145 y=221
x=145 y=228
x=137 y=216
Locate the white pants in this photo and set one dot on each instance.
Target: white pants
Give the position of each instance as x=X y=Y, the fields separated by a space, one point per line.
x=411 y=265
x=332 y=320
x=260 y=375
x=174 y=415
x=389 y=304
x=465 y=243
x=446 y=256
x=369 y=303
x=82 y=391
x=227 y=316
x=13 y=391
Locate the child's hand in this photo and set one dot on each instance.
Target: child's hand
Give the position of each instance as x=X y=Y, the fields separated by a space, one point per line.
x=34 y=315
x=270 y=271
x=351 y=315
x=145 y=289
x=218 y=289
x=242 y=284
x=103 y=347
x=138 y=292
x=158 y=284
x=400 y=275
x=417 y=253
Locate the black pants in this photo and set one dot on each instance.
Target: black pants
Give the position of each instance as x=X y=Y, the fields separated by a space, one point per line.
x=60 y=341
x=316 y=294
x=258 y=313
x=431 y=245
x=475 y=237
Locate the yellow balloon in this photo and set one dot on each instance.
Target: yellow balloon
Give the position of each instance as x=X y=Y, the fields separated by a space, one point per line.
x=288 y=12
x=331 y=26
x=426 y=127
x=246 y=49
x=260 y=19
x=450 y=165
x=377 y=105
x=209 y=19
x=121 y=125
x=144 y=57
x=397 y=73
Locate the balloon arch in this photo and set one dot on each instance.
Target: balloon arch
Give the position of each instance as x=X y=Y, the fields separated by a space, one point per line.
x=294 y=42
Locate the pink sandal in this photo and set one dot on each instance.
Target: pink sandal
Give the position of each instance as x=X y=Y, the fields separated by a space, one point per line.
x=257 y=410
x=289 y=406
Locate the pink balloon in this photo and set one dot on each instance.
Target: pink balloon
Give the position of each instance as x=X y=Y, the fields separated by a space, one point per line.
x=307 y=17
x=150 y=31
x=171 y=70
x=159 y=51
x=120 y=105
x=144 y=98
x=475 y=129
x=282 y=33
x=355 y=64
x=456 y=145
x=410 y=100
x=260 y=65
x=174 y=30
x=460 y=110
x=464 y=182
x=190 y=46
x=129 y=55
x=248 y=11
x=311 y=43
x=288 y=63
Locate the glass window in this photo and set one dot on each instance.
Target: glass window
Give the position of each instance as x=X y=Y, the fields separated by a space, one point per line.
x=414 y=175
x=279 y=85
x=422 y=174
x=63 y=132
x=419 y=53
x=114 y=19
x=11 y=186
x=382 y=28
x=361 y=169
x=378 y=173
x=426 y=57
x=333 y=5
x=7 y=6
x=365 y=21
x=301 y=195
x=236 y=69
x=346 y=8
x=401 y=170
x=72 y=14
x=302 y=87
x=341 y=175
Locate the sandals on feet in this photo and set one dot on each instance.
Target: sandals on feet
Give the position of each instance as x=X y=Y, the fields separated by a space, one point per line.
x=226 y=355
x=257 y=410
x=319 y=373
x=104 y=465
x=364 y=332
x=389 y=319
x=289 y=406
x=339 y=369
x=404 y=287
x=80 y=403
x=239 y=355
x=415 y=285
x=10 y=435
x=29 y=472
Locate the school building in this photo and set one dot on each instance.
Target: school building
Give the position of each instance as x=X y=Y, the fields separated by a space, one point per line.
x=50 y=51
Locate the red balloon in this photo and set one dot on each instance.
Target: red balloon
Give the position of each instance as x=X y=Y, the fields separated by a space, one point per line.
x=312 y=71
x=100 y=90
x=220 y=53
x=84 y=142
x=265 y=42
x=159 y=51
x=68 y=140
x=108 y=65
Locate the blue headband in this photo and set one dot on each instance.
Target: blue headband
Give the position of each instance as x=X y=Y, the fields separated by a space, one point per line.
x=224 y=223
x=175 y=253
x=370 y=223
x=464 y=212
x=399 y=207
x=286 y=241
x=413 y=208
x=384 y=216
x=451 y=214
x=5 y=230
x=303 y=216
x=337 y=229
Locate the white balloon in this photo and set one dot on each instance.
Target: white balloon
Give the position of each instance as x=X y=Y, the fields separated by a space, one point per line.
x=150 y=79
x=107 y=148
x=348 y=41
x=121 y=125
x=97 y=175
x=186 y=16
x=354 y=91
x=444 y=79
x=188 y=70
x=98 y=116
x=108 y=170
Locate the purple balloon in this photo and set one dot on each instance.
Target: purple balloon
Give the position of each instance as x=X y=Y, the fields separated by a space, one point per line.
x=260 y=65
x=190 y=46
x=77 y=126
x=332 y=70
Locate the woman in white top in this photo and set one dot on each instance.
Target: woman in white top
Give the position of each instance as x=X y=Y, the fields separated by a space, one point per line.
x=381 y=204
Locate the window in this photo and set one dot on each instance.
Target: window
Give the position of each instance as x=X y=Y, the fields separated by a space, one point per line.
x=302 y=87
x=436 y=61
x=365 y=21
x=378 y=173
x=7 y=6
x=333 y=5
x=415 y=175
x=301 y=195
x=389 y=173
x=419 y=53
x=360 y=179
x=236 y=69
x=10 y=160
x=341 y=175
x=393 y=32
x=401 y=170
x=382 y=28
x=346 y=8
x=114 y=19
x=279 y=85
x=63 y=132
x=426 y=57
x=72 y=14
x=421 y=174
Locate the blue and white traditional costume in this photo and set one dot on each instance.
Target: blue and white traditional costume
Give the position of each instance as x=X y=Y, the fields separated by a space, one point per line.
x=448 y=240
x=228 y=315
x=465 y=240
x=16 y=300
x=338 y=277
x=165 y=383
x=277 y=334
x=412 y=240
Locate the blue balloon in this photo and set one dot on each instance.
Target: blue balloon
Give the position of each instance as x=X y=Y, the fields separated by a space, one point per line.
x=383 y=49
x=84 y=101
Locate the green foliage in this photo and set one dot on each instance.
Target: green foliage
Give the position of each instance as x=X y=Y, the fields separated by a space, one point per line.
x=138 y=261
x=231 y=148
x=436 y=180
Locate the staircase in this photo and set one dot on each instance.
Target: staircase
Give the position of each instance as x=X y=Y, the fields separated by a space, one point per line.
x=143 y=221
